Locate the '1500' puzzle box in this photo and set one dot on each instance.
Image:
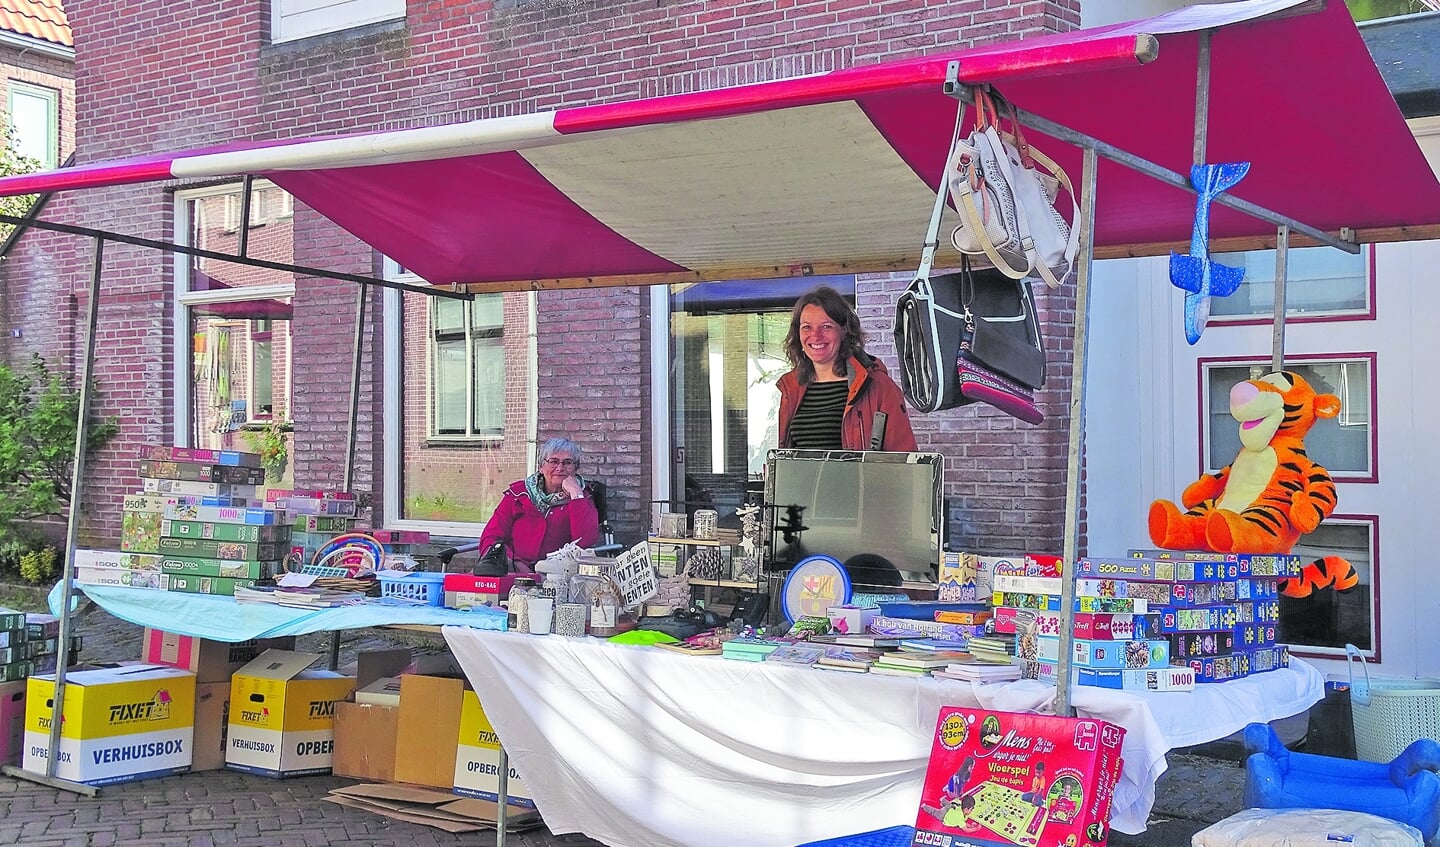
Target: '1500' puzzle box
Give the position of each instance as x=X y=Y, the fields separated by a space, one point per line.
x=1000 y=779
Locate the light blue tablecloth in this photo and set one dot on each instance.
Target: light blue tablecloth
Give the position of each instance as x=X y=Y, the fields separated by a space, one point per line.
x=223 y=619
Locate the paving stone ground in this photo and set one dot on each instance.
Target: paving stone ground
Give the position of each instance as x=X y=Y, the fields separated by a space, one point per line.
x=240 y=810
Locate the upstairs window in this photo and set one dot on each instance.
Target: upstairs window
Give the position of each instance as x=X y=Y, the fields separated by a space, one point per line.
x=35 y=117
x=291 y=20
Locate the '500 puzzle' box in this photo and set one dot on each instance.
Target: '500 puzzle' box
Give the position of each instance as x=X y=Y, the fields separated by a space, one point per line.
x=1000 y=779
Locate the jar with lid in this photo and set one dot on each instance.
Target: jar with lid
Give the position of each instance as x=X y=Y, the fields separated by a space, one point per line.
x=519 y=604
x=557 y=585
x=605 y=610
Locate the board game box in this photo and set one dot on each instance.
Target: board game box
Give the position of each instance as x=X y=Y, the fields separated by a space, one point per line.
x=1004 y=779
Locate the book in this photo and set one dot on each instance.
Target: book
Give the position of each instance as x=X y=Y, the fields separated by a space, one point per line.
x=689 y=649
x=822 y=665
x=897 y=671
x=863 y=640
x=932 y=659
x=848 y=657
x=796 y=654
x=932 y=644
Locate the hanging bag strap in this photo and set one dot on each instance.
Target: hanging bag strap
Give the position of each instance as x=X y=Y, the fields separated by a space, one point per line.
x=926 y=375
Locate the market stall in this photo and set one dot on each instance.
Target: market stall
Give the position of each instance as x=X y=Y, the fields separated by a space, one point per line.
x=838 y=173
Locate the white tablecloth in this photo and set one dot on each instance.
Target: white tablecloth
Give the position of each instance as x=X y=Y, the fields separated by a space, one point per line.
x=635 y=745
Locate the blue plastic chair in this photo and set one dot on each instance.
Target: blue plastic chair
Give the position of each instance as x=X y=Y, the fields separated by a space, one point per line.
x=1406 y=790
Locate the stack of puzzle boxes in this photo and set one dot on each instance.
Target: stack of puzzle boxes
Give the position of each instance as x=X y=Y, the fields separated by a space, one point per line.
x=1150 y=620
x=1110 y=633
x=197 y=525
x=1214 y=614
x=28 y=645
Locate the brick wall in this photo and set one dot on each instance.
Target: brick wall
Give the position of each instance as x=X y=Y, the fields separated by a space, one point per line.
x=159 y=75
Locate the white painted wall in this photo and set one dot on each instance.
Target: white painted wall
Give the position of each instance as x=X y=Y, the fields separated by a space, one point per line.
x=1102 y=12
x=1142 y=433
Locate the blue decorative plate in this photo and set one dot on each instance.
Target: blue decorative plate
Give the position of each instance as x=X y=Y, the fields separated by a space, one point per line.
x=813 y=586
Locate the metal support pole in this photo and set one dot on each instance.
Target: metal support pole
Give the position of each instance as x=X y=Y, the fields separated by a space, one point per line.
x=1282 y=259
x=350 y=436
x=72 y=528
x=246 y=193
x=1076 y=453
x=1202 y=98
x=361 y=299
x=502 y=793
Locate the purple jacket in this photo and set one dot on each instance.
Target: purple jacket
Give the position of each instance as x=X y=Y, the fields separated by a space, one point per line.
x=529 y=537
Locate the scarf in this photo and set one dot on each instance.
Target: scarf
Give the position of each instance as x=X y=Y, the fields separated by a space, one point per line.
x=542 y=501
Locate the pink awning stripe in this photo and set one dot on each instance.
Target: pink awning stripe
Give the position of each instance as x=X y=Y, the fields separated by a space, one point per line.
x=129 y=172
x=927 y=73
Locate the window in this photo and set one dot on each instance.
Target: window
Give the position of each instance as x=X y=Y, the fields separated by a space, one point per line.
x=459 y=407
x=1325 y=620
x=35 y=117
x=234 y=320
x=1344 y=445
x=1320 y=282
x=468 y=375
x=294 y=19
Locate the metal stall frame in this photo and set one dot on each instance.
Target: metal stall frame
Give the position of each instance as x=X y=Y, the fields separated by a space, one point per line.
x=87 y=363
x=984 y=67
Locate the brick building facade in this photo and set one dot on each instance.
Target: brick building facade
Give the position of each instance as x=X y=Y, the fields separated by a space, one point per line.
x=154 y=75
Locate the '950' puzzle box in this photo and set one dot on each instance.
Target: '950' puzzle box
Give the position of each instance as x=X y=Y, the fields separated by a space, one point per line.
x=1001 y=779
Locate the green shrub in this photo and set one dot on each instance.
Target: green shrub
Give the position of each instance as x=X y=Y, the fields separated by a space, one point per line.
x=39 y=566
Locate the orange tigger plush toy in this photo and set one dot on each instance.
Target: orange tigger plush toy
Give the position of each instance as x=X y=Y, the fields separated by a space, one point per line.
x=1271 y=494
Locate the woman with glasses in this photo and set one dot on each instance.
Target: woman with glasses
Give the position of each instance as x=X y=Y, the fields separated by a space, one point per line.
x=542 y=512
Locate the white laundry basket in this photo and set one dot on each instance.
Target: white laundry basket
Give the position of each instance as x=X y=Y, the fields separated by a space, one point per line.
x=1390 y=715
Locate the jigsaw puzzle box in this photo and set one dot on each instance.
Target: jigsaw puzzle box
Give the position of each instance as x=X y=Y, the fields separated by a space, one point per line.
x=1002 y=779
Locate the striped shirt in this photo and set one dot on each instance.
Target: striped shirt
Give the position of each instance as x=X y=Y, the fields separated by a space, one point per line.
x=816 y=424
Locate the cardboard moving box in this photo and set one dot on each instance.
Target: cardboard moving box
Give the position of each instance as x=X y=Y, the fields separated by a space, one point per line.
x=477 y=759
x=282 y=715
x=12 y=721
x=212 y=711
x=118 y=724
x=365 y=739
x=211 y=661
x=429 y=729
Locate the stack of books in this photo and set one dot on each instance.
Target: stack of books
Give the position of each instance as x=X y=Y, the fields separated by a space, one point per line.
x=847 y=659
x=998 y=648
x=303 y=598
x=913 y=663
x=979 y=670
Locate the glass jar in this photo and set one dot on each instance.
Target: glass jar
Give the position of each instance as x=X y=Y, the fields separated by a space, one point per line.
x=605 y=610
x=519 y=603
x=582 y=587
x=557 y=585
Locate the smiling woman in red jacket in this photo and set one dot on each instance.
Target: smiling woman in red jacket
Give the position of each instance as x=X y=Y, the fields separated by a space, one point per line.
x=836 y=392
x=544 y=511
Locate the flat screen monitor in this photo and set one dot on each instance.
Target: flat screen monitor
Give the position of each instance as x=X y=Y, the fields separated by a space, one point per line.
x=880 y=514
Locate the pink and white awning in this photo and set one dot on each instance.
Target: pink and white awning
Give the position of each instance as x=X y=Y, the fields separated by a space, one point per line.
x=836 y=173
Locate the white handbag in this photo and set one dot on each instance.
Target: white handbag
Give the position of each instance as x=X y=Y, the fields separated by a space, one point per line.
x=1036 y=180
x=1005 y=192
x=990 y=222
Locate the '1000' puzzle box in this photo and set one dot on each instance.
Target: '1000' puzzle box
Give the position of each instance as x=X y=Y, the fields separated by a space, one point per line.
x=1001 y=779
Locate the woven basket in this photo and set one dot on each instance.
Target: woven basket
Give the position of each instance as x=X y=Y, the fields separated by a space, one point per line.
x=1390 y=715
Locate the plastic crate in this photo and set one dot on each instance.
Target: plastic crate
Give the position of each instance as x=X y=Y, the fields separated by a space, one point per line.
x=1390 y=715
x=419 y=586
x=895 y=836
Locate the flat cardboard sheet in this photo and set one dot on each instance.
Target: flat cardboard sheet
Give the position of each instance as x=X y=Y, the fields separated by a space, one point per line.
x=439 y=809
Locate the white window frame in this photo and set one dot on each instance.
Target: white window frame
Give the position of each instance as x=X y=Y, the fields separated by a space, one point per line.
x=185 y=298
x=1293 y=284
x=51 y=97
x=393 y=392
x=1368 y=360
x=473 y=432
x=292 y=20
x=1371 y=525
